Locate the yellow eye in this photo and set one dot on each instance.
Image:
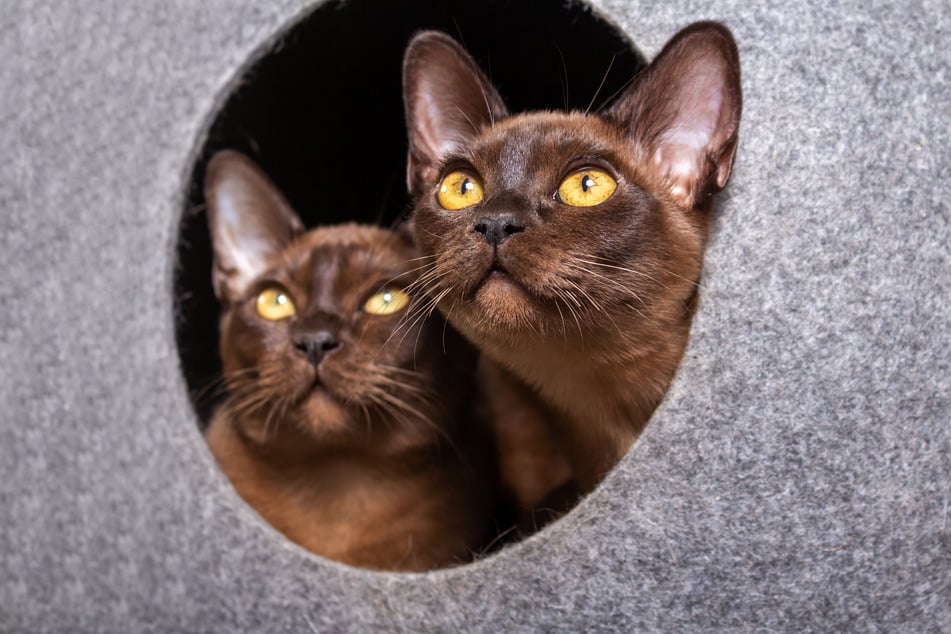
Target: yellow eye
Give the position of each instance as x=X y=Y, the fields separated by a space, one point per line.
x=459 y=189
x=586 y=187
x=386 y=302
x=274 y=303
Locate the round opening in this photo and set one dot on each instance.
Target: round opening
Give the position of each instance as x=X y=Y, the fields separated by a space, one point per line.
x=321 y=113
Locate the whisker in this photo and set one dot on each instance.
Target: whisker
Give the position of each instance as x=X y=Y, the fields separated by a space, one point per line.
x=495 y=540
x=617 y=92
x=597 y=306
x=601 y=85
x=564 y=76
x=610 y=264
x=413 y=319
x=407 y=272
x=566 y=296
x=624 y=269
x=627 y=291
x=415 y=413
x=412 y=316
x=564 y=325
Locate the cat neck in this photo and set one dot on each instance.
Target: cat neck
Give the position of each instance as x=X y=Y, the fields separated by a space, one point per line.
x=602 y=390
x=351 y=506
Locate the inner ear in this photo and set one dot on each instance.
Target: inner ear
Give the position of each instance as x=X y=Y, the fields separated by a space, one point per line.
x=447 y=100
x=683 y=111
x=249 y=220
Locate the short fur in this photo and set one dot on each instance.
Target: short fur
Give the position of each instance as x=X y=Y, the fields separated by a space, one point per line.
x=589 y=306
x=367 y=455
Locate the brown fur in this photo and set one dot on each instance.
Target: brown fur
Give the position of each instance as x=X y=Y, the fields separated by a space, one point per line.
x=590 y=307
x=537 y=478
x=368 y=456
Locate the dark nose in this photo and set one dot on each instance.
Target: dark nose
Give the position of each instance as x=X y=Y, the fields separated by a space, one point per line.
x=498 y=229
x=316 y=345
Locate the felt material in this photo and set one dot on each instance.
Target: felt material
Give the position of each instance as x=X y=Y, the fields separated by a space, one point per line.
x=797 y=477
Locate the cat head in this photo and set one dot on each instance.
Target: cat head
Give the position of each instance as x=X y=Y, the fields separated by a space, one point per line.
x=559 y=224
x=319 y=333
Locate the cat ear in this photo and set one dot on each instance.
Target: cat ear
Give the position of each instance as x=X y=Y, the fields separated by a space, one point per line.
x=684 y=111
x=447 y=99
x=249 y=219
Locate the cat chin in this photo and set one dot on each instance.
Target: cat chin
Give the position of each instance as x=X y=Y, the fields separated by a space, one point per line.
x=499 y=313
x=325 y=414
x=499 y=287
x=501 y=302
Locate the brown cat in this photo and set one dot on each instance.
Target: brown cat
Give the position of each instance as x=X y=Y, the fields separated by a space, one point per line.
x=345 y=423
x=568 y=246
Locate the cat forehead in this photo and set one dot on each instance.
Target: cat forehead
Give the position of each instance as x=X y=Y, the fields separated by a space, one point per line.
x=541 y=137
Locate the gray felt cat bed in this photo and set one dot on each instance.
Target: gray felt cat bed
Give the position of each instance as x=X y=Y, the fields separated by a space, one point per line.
x=797 y=477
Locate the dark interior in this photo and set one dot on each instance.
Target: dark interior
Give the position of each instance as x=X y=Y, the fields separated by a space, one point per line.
x=322 y=114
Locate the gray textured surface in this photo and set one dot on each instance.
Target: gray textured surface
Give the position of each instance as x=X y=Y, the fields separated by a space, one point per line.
x=797 y=477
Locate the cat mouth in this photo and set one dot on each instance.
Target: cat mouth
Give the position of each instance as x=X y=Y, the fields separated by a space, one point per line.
x=318 y=386
x=498 y=283
x=318 y=393
x=496 y=274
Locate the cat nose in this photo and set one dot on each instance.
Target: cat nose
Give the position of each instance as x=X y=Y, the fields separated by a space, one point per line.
x=316 y=345
x=498 y=229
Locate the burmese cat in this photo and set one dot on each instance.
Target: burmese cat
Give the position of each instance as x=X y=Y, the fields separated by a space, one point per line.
x=345 y=425
x=567 y=246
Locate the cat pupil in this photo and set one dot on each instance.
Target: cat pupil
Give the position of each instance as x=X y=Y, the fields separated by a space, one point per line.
x=466 y=186
x=586 y=183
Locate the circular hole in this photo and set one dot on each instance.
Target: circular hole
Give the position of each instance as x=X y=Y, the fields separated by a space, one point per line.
x=321 y=112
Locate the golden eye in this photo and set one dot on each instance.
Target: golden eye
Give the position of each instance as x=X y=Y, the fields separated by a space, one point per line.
x=386 y=302
x=459 y=189
x=274 y=303
x=586 y=187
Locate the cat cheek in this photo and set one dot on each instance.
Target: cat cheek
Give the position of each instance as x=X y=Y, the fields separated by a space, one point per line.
x=435 y=232
x=242 y=344
x=421 y=177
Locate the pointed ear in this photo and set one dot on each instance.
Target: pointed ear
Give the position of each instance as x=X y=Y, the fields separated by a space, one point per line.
x=249 y=219
x=447 y=100
x=683 y=111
